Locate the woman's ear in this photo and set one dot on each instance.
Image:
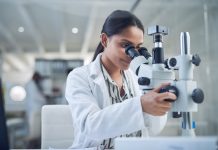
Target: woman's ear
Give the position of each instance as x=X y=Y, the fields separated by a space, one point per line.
x=104 y=40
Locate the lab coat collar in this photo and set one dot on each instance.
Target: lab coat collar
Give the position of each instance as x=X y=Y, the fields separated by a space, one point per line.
x=95 y=70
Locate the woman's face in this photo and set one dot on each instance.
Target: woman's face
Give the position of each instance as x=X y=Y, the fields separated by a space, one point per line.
x=115 y=49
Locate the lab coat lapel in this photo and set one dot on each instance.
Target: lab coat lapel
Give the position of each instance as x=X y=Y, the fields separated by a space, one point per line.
x=100 y=89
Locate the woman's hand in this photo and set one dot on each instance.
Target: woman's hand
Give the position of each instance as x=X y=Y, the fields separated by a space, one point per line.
x=154 y=103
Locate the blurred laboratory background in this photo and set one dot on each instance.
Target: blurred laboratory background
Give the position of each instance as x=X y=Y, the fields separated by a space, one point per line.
x=41 y=41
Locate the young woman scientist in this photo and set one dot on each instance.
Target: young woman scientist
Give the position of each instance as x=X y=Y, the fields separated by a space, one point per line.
x=104 y=96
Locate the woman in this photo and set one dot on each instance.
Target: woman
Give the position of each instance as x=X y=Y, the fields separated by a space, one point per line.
x=104 y=96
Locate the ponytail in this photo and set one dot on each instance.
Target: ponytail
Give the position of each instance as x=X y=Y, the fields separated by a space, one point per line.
x=99 y=49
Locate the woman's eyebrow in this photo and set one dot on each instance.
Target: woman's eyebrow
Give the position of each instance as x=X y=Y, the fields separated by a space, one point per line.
x=124 y=40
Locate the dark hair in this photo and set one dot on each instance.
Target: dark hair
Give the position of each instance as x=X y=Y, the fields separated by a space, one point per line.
x=115 y=23
x=36 y=76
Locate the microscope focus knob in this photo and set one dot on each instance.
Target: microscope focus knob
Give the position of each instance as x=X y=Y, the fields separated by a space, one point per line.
x=143 y=81
x=198 y=95
x=196 y=60
x=172 y=62
x=171 y=89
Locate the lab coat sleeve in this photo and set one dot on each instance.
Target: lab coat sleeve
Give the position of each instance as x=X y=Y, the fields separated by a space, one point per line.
x=95 y=123
x=154 y=124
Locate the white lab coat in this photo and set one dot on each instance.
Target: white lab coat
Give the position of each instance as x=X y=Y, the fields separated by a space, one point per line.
x=94 y=118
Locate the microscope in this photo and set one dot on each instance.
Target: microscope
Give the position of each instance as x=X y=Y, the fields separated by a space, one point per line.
x=154 y=70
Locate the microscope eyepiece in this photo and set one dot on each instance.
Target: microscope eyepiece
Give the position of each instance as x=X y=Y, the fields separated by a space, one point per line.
x=144 y=52
x=131 y=52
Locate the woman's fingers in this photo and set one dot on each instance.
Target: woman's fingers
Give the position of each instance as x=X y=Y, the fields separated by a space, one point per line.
x=166 y=95
x=157 y=89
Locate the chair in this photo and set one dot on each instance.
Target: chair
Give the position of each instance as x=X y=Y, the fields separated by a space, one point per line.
x=57 y=127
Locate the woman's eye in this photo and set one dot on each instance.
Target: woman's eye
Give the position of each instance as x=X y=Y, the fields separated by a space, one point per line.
x=123 y=45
